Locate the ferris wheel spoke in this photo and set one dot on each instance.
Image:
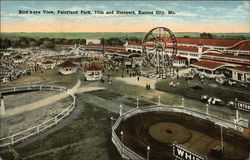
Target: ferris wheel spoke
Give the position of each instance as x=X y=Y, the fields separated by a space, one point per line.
x=153 y=49
x=159 y=33
x=164 y=34
x=153 y=37
x=167 y=39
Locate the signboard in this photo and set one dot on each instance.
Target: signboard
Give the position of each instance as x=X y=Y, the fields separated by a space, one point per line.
x=242 y=106
x=184 y=154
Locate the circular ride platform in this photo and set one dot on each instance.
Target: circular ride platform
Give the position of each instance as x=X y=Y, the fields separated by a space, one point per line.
x=160 y=129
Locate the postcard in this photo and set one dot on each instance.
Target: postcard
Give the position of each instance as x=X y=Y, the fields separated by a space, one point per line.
x=113 y=80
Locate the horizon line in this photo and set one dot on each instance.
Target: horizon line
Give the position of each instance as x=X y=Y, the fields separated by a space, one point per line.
x=124 y=32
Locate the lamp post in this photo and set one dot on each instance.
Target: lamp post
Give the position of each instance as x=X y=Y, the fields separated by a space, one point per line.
x=148 y=152
x=122 y=141
x=159 y=100
x=112 y=119
x=121 y=110
x=137 y=102
x=182 y=102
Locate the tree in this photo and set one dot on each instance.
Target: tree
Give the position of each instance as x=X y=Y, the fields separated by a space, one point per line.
x=206 y=35
x=48 y=44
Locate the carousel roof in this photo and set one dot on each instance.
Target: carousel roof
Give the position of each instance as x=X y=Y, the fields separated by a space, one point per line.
x=67 y=64
x=93 y=67
x=18 y=56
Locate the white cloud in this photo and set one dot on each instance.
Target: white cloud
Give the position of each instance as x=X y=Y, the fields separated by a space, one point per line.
x=216 y=9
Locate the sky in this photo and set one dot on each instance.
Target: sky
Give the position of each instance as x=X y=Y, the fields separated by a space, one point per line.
x=190 y=16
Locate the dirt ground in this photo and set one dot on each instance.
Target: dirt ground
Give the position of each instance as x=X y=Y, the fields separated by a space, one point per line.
x=204 y=136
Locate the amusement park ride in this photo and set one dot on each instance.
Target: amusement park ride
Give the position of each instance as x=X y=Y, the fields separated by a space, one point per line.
x=158 y=49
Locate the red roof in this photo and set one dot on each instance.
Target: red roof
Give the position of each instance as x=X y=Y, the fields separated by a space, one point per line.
x=208 y=64
x=93 y=67
x=179 y=58
x=207 y=41
x=226 y=55
x=135 y=44
x=18 y=56
x=48 y=62
x=243 y=45
x=67 y=64
x=118 y=51
x=242 y=68
x=185 y=48
x=202 y=41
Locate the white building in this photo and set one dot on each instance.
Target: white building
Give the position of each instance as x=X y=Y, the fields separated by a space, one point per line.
x=18 y=59
x=48 y=64
x=209 y=69
x=179 y=61
x=67 y=67
x=240 y=74
x=93 y=72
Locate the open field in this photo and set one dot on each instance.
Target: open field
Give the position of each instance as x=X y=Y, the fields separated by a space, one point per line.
x=186 y=88
x=98 y=35
x=85 y=138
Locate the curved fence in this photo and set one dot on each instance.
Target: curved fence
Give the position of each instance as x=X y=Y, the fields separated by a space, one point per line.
x=129 y=154
x=35 y=130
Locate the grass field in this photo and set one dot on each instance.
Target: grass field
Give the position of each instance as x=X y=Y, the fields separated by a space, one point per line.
x=209 y=88
x=98 y=35
x=86 y=138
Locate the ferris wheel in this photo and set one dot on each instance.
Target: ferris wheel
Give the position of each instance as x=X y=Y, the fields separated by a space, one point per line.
x=159 y=47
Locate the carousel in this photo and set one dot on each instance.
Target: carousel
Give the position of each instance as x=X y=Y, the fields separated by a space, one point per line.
x=67 y=67
x=93 y=72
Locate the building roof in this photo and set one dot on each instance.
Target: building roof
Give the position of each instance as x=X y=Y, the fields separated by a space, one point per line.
x=67 y=64
x=207 y=41
x=93 y=67
x=18 y=56
x=48 y=62
x=119 y=51
x=243 y=45
x=208 y=64
x=242 y=68
x=179 y=58
x=203 y=41
x=186 y=48
x=226 y=55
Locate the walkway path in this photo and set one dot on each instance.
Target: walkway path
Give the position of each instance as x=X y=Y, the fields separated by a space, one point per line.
x=48 y=101
x=143 y=81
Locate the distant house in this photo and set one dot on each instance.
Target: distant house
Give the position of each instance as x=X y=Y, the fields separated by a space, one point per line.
x=48 y=64
x=4 y=79
x=93 y=72
x=18 y=59
x=67 y=67
x=179 y=61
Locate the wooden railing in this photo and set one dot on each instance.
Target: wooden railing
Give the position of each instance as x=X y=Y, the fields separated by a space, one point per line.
x=129 y=154
x=35 y=130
